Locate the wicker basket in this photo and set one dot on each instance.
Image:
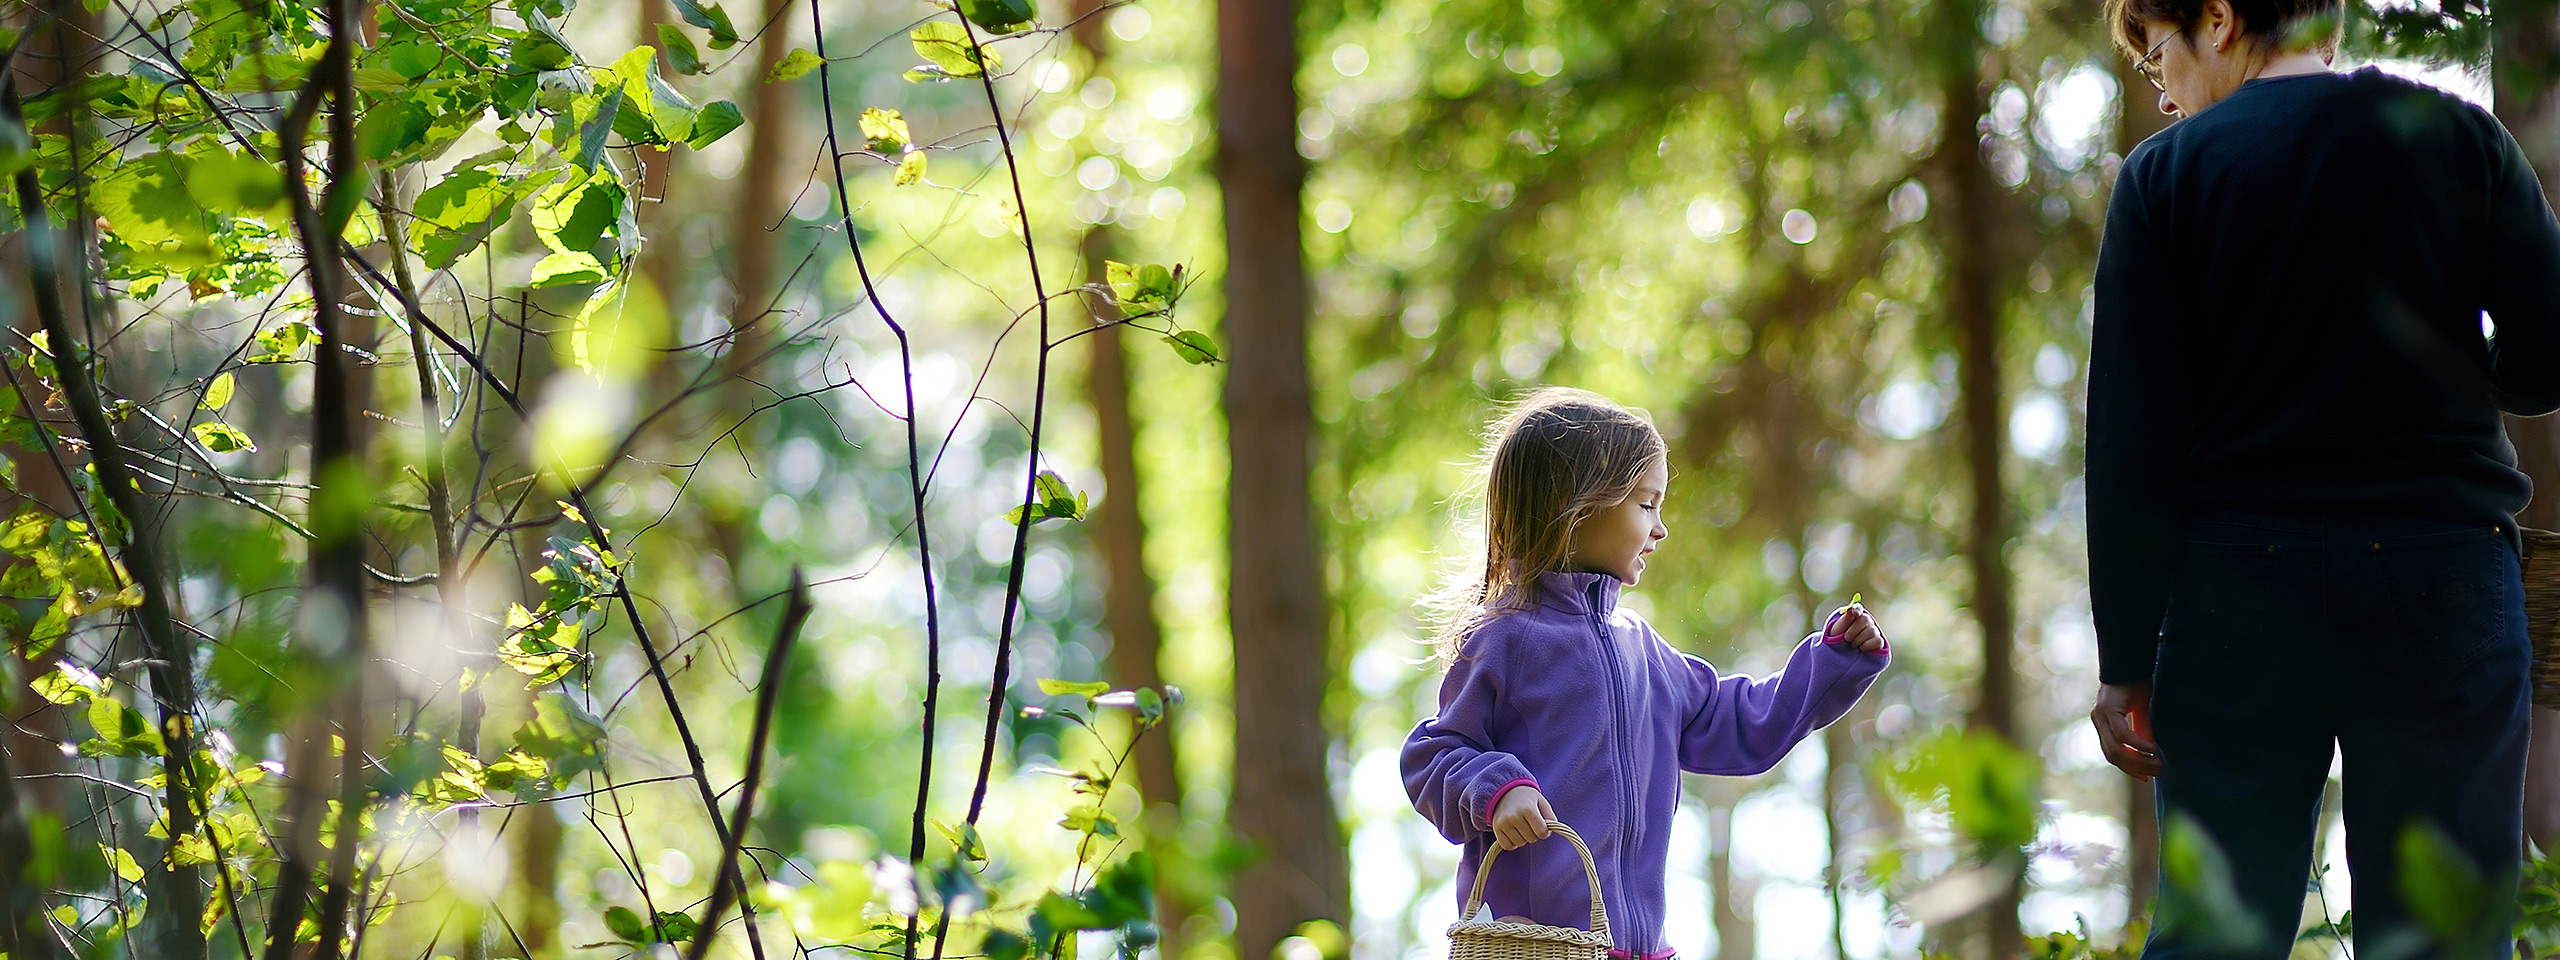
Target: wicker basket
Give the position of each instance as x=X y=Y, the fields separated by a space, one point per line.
x=1472 y=939
x=2542 y=611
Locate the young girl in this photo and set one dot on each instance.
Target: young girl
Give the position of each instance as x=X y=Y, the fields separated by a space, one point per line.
x=1560 y=705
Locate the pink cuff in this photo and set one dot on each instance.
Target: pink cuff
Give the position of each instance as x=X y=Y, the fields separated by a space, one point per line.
x=1618 y=954
x=1505 y=788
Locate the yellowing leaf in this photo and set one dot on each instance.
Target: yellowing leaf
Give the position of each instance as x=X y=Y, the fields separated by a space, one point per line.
x=217 y=394
x=793 y=67
x=122 y=863
x=947 y=47
x=562 y=269
x=885 y=130
x=911 y=169
x=221 y=437
x=1193 y=347
x=1061 y=688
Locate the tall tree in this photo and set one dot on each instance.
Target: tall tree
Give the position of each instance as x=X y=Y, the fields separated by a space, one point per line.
x=1277 y=614
x=1120 y=531
x=1970 y=254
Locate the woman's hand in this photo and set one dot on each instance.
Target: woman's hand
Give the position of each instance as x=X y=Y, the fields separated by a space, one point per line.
x=2123 y=719
x=1520 y=818
x=1855 y=627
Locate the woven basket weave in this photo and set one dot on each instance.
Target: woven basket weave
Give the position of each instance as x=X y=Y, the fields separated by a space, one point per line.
x=2542 y=611
x=1472 y=939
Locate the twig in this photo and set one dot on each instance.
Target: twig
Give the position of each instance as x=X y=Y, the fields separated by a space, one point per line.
x=795 y=612
x=915 y=463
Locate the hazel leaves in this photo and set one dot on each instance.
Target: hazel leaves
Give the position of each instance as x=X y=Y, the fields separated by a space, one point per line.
x=1148 y=291
x=1052 y=500
x=884 y=132
x=950 y=53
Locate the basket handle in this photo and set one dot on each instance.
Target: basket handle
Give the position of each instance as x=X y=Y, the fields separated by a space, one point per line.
x=1590 y=871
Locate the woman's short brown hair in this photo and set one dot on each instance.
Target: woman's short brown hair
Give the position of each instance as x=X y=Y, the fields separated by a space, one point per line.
x=2277 y=24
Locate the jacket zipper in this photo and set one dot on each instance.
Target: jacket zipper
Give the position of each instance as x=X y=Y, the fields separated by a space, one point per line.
x=1628 y=827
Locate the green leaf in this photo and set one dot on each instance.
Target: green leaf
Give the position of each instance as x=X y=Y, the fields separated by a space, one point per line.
x=393 y=124
x=285 y=342
x=715 y=121
x=217 y=394
x=795 y=65
x=221 y=437
x=1144 y=289
x=226 y=182
x=709 y=17
x=565 y=269
x=459 y=211
x=1004 y=944
x=68 y=684
x=1194 y=347
x=379 y=80
x=592 y=130
x=947 y=47
x=1063 y=914
x=674 y=927
x=146 y=203
x=1125 y=891
x=2444 y=889
x=1053 y=500
x=571 y=215
x=1061 y=688
x=625 y=923
x=670 y=113
x=680 y=52
x=999 y=16
x=567 y=738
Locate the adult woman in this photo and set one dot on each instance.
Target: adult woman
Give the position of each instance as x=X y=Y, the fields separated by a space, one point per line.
x=2300 y=493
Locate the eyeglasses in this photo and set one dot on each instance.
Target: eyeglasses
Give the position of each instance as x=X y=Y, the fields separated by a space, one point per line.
x=2149 y=65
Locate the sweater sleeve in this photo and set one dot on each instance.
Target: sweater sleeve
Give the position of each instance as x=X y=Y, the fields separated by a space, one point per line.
x=1742 y=726
x=2135 y=453
x=1452 y=772
x=2523 y=284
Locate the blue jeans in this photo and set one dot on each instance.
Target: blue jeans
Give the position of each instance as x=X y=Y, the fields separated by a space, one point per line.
x=2400 y=642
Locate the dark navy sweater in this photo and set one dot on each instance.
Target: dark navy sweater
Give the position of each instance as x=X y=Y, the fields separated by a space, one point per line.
x=2289 y=320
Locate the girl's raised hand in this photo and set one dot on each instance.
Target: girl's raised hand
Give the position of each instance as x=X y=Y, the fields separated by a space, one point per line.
x=1855 y=627
x=1520 y=818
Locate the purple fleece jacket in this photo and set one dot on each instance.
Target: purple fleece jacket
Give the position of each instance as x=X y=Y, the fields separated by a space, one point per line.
x=1584 y=701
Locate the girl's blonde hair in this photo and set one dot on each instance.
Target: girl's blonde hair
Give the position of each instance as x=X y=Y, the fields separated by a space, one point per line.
x=1556 y=456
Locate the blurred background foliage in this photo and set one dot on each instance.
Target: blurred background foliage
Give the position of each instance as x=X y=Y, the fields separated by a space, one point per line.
x=1840 y=251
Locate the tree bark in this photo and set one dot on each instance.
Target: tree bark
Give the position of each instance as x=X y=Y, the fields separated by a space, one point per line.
x=1737 y=934
x=45 y=63
x=2525 y=65
x=1971 y=253
x=752 y=239
x=1129 y=611
x=1280 y=804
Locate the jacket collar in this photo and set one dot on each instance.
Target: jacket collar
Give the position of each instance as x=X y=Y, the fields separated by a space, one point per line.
x=1580 y=594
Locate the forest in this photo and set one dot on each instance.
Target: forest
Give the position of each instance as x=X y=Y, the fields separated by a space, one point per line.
x=954 y=478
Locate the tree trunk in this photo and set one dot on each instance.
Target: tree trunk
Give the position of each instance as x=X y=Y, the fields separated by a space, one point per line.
x=2524 y=67
x=760 y=184
x=33 y=738
x=1971 y=253
x=1129 y=610
x=1280 y=804
x=1737 y=935
x=2138 y=116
